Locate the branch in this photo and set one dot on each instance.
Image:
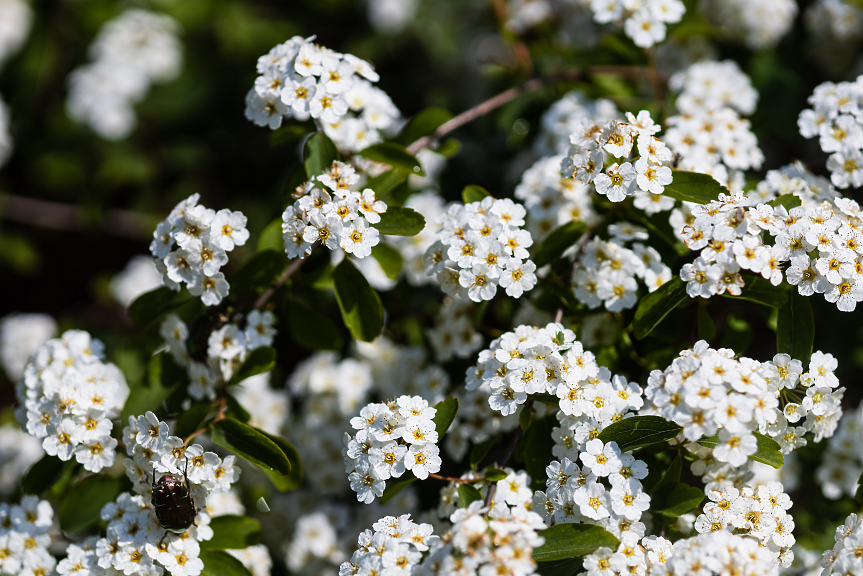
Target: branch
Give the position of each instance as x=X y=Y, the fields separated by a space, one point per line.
x=268 y=293
x=507 y=96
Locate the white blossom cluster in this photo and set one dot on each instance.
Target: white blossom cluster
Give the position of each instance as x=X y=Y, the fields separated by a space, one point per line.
x=481 y=246
x=20 y=336
x=134 y=50
x=24 y=540
x=227 y=348
x=842 y=461
x=454 y=335
x=606 y=273
x=513 y=491
x=68 y=397
x=838 y=20
x=341 y=220
x=844 y=558
x=565 y=116
x=391 y=16
x=192 y=244
x=717 y=553
x=757 y=23
x=138 y=277
x=708 y=132
x=591 y=142
x=572 y=20
x=268 y=409
x=836 y=118
x=643 y=21
x=135 y=543
x=760 y=513
x=605 y=490
x=299 y=79
x=820 y=240
x=394 y=547
x=483 y=541
x=391 y=438
x=708 y=391
x=18 y=451
x=15 y=19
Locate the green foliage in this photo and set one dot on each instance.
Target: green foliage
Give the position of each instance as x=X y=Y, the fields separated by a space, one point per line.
x=394 y=155
x=311 y=329
x=250 y=444
x=261 y=270
x=400 y=221
x=788 y=201
x=425 y=122
x=694 y=187
x=319 y=153
x=220 y=563
x=43 y=474
x=554 y=245
x=467 y=494
x=151 y=306
x=494 y=474
x=389 y=258
x=82 y=504
x=233 y=532
x=535 y=449
x=163 y=376
x=639 y=431
x=676 y=498
x=386 y=182
x=397 y=486
x=360 y=305
x=473 y=193
x=761 y=291
x=795 y=328
x=258 y=361
x=654 y=307
x=564 y=541
x=446 y=411
x=294 y=478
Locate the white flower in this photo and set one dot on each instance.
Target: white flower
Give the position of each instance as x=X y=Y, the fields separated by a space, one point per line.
x=422 y=459
x=600 y=459
x=358 y=238
x=735 y=447
x=518 y=277
x=617 y=182
x=228 y=229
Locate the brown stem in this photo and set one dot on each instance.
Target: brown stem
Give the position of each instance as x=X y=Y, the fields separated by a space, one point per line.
x=559 y=316
x=656 y=84
x=507 y=96
x=268 y=293
x=456 y=480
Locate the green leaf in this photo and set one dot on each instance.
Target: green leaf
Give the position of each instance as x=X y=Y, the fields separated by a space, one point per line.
x=293 y=479
x=444 y=415
x=789 y=201
x=768 y=450
x=193 y=419
x=394 y=155
x=676 y=498
x=425 y=122
x=234 y=410
x=494 y=475
x=473 y=193
x=259 y=271
x=557 y=242
x=359 y=304
x=318 y=154
x=271 y=237
x=671 y=476
x=150 y=306
x=448 y=148
x=250 y=444
x=82 y=504
x=638 y=431
x=535 y=448
x=524 y=417
x=706 y=327
x=163 y=376
x=565 y=541
x=43 y=474
x=757 y=289
x=233 y=532
x=400 y=221
x=795 y=328
x=220 y=563
x=481 y=450
x=566 y=567
x=694 y=187
x=258 y=361
x=385 y=183
x=858 y=495
x=394 y=488
x=311 y=329
x=389 y=258
x=653 y=308
x=546 y=398
x=467 y=494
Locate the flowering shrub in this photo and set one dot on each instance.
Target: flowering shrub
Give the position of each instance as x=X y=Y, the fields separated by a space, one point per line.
x=512 y=291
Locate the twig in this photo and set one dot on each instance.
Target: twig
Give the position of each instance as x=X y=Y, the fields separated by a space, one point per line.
x=656 y=84
x=559 y=316
x=223 y=405
x=457 y=480
x=506 y=96
x=268 y=293
x=67 y=217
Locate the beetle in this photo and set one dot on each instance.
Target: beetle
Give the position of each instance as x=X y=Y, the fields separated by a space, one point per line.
x=172 y=501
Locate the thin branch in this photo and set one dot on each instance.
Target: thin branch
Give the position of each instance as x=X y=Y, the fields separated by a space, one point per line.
x=223 y=405
x=70 y=218
x=268 y=293
x=456 y=480
x=656 y=84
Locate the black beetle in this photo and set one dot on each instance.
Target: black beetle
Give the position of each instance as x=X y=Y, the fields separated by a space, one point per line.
x=172 y=501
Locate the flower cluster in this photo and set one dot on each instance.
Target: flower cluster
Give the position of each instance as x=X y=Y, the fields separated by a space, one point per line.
x=391 y=438
x=708 y=132
x=341 y=220
x=760 y=513
x=844 y=557
x=606 y=271
x=23 y=537
x=605 y=490
x=223 y=352
x=836 y=118
x=131 y=52
x=15 y=19
x=192 y=244
x=837 y=20
x=820 y=239
x=481 y=245
x=68 y=397
x=585 y=159
x=299 y=79
x=20 y=336
x=842 y=461
x=135 y=542
x=708 y=391
x=499 y=540
x=453 y=334
x=757 y=23
x=644 y=22
x=394 y=547
x=631 y=557
x=565 y=116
